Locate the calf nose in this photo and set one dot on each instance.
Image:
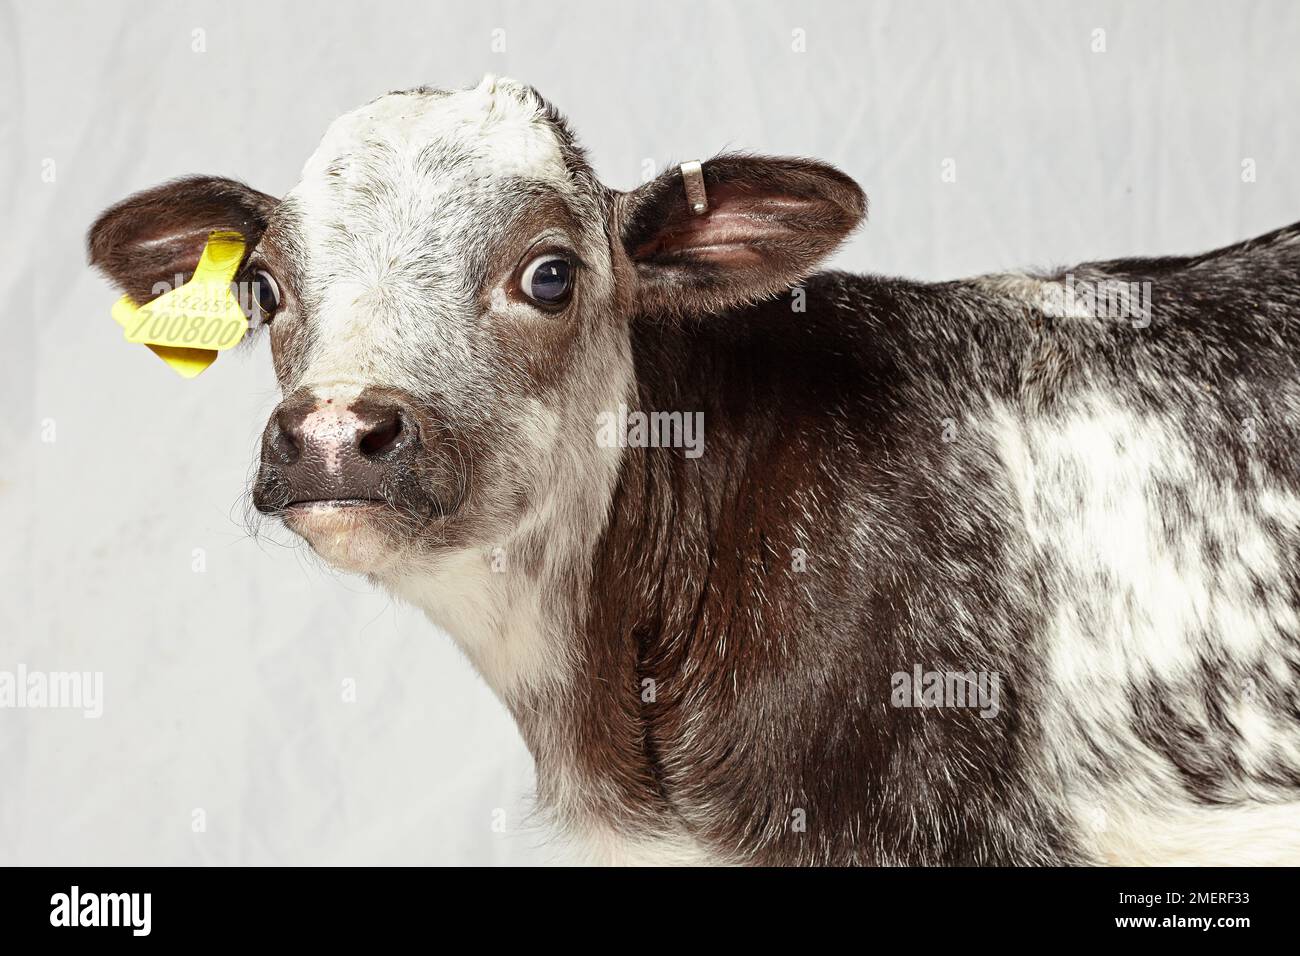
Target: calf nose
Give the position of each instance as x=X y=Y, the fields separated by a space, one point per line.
x=327 y=450
x=362 y=431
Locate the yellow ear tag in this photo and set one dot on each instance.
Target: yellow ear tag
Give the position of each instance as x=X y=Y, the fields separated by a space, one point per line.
x=189 y=325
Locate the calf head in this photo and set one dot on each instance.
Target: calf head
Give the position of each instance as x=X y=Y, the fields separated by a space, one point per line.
x=448 y=293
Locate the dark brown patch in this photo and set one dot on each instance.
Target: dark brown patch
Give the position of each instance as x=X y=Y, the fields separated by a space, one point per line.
x=158 y=233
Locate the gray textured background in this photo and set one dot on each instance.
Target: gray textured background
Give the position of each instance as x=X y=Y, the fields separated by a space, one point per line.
x=223 y=688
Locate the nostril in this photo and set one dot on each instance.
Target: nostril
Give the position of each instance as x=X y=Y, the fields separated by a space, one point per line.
x=287 y=437
x=383 y=436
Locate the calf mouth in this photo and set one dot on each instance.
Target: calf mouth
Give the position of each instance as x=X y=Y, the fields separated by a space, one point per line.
x=314 y=504
x=364 y=534
x=315 y=516
x=402 y=511
x=406 y=497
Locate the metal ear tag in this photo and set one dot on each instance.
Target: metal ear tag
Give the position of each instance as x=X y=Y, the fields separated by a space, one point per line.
x=693 y=180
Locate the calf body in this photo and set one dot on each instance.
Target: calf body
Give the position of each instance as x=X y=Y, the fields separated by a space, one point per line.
x=969 y=572
x=1104 y=516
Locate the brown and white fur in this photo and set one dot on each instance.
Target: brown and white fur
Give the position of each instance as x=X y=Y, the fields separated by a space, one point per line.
x=699 y=650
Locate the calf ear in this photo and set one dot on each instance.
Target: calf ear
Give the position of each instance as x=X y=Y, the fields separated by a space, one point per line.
x=768 y=222
x=158 y=233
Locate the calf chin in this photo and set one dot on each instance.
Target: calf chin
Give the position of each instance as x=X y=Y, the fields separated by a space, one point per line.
x=350 y=537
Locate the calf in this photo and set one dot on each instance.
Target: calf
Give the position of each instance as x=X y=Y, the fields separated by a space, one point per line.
x=996 y=571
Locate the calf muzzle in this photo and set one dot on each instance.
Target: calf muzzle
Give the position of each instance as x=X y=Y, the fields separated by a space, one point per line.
x=326 y=451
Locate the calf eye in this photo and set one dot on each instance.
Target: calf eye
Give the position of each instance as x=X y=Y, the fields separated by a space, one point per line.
x=548 y=280
x=268 y=293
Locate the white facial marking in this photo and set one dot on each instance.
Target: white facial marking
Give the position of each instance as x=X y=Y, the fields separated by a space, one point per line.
x=395 y=205
x=396 y=217
x=329 y=430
